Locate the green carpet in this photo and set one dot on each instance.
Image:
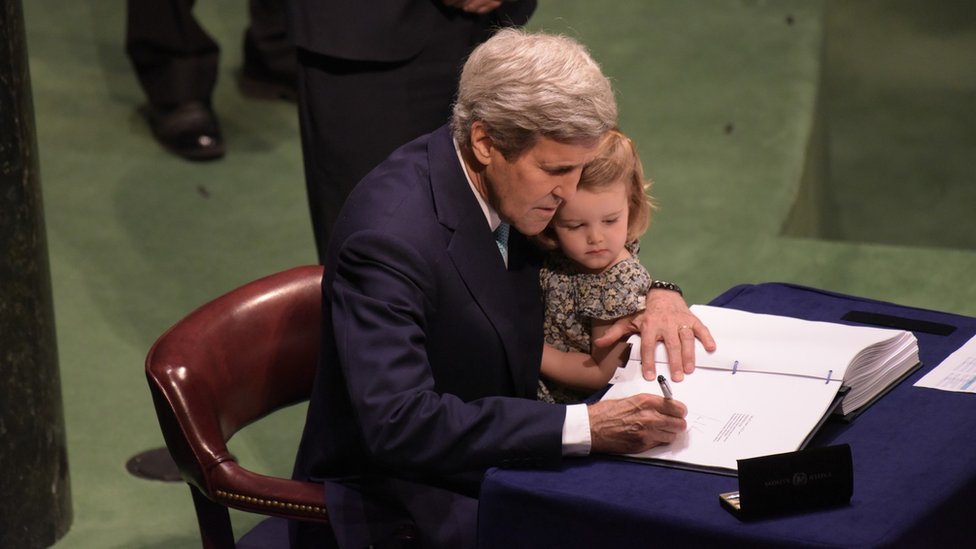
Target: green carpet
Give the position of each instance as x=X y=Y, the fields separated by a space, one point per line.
x=746 y=112
x=901 y=99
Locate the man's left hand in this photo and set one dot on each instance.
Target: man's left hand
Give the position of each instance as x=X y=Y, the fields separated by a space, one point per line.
x=668 y=319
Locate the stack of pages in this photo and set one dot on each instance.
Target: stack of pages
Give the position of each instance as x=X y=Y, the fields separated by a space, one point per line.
x=770 y=383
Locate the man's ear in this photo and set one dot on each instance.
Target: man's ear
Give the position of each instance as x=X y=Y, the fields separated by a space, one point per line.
x=481 y=143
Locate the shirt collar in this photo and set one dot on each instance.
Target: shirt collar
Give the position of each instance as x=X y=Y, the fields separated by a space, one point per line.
x=490 y=214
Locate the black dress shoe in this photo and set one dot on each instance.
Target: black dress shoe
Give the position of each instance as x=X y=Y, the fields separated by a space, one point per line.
x=188 y=130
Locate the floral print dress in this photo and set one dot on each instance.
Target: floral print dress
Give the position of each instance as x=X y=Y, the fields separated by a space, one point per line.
x=573 y=299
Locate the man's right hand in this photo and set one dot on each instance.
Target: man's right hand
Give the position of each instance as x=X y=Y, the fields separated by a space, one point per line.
x=634 y=424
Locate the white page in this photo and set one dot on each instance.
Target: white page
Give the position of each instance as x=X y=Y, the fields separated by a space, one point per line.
x=737 y=416
x=769 y=382
x=781 y=344
x=956 y=373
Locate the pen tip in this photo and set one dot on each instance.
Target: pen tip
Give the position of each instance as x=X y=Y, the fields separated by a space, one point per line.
x=660 y=378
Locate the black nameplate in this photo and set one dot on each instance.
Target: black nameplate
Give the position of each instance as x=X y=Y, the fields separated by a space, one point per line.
x=793 y=482
x=899 y=322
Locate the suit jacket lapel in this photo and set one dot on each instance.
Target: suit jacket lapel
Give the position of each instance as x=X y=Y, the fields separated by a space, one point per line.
x=470 y=247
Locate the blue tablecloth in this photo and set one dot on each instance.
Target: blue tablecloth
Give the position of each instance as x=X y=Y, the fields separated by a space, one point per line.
x=914 y=454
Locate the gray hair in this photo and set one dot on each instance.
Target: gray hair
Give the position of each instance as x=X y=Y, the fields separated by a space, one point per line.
x=523 y=86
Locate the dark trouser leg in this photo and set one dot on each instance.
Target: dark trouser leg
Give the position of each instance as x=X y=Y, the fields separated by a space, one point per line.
x=268 y=50
x=354 y=114
x=173 y=57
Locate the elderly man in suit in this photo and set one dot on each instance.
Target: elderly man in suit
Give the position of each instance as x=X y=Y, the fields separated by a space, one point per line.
x=432 y=338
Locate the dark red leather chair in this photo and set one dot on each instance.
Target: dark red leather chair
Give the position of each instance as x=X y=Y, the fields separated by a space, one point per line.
x=227 y=364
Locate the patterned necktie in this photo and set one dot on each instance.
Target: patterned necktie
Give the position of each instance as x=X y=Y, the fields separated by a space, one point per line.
x=501 y=239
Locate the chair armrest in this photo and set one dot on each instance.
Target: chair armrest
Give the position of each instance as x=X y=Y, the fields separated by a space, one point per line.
x=237 y=487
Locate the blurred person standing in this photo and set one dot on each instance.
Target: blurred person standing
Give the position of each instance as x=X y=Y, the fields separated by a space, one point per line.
x=374 y=75
x=176 y=63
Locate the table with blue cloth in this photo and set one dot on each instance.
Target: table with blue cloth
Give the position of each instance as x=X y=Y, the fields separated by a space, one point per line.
x=914 y=454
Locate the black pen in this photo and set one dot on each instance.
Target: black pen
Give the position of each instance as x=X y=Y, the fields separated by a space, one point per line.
x=665 y=388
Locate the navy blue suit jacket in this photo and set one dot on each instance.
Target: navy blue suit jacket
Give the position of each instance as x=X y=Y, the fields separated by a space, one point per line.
x=431 y=348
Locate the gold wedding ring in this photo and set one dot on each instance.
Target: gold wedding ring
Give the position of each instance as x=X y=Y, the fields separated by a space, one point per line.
x=684 y=327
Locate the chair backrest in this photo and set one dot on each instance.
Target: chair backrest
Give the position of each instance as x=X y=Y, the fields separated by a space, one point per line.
x=229 y=363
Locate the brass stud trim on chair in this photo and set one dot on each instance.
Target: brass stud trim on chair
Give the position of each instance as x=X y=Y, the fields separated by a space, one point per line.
x=240 y=498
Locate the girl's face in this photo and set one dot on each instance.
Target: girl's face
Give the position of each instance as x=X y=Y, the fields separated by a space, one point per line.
x=591 y=227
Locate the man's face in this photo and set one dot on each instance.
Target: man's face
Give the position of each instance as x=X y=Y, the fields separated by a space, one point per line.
x=526 y=191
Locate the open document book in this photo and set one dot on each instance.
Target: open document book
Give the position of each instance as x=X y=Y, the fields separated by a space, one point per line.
x=770 y=383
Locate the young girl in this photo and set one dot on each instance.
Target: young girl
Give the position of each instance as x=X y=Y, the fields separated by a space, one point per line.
x=593 y=276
